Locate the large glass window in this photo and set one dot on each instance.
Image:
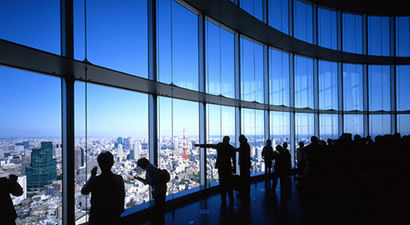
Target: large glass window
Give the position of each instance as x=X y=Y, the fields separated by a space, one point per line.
x=403 y=36
x=279 y=128
x=328 y=126
x=403 y=124
x=32 y=23
x=327 y=28
x=379 y=88
x=304 y=127
x=177 y=49
x=30 y=143
x=352 y=87
x=219 y=61
x=402 y=87
x=178 y=132
x=379 y=125
x=117 y=34
x=251 y=71
x=353 y=124
x=378 y=35
x=328 y=85
x=352 y=33
x=253 y=129
x=220 y=122
x=278 y=77
x=279 y=15
x=303 y=82
x=253 y=7
x=303 y=23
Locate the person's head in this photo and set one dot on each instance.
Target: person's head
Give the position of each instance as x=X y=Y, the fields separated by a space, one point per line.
x=143 y=163
x=322 y=143
x=226 y=139
x=329 y=141
x=285 y=145
x=105 y=161
x=242 y=138
x=268 y=142
x=314 y=139
x=279 y=148
x=301 y=144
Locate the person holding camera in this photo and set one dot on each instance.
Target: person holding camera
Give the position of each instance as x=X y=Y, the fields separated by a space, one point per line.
x=8 y=186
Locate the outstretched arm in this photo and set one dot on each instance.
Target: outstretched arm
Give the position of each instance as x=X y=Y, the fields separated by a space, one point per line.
x=205 y=145
x=14 y=187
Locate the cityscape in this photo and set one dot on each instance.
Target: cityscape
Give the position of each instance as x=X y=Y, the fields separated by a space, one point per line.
x=38 y=164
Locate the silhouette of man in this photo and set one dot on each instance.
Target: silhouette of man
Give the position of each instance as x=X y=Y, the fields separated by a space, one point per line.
x=300 y=153
x=225 y=155
x=7 y=212
x=159 y=188
x=267 y=155
x=282 y=165
x=107 y=193
x=244 y=165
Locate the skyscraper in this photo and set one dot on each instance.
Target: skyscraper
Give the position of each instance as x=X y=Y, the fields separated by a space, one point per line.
x=43 y=170
x=127 y=143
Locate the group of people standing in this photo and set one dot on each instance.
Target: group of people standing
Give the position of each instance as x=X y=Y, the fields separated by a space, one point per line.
x=281 y=157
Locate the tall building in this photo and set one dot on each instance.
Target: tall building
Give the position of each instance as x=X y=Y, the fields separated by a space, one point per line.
x=43 y=167
x=119 y=140
x=127 y=143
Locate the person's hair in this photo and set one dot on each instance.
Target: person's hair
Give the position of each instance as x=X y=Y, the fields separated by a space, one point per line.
x=301 y=144
x=105 y=161
x=143 y=163
x=269 y=142
x=226 y=139
x=242 y=138
x=285 y=145
x=279 y=148
x=314 y=139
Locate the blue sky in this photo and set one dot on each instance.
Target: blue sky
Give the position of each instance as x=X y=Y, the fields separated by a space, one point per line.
x=117 y=39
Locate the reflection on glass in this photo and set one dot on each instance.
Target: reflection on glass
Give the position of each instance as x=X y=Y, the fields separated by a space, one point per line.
x=379 y=125
x=117 y=121
x=379 y=88
x=278 y=17
x=303 y=82
x=327 y=85
x=220 y=61
x=327 y=28
x=178 y=132
x=32 y=23
x=253 y=129
x=30 y=143
x=328 y=126
x=402 y=36
x=279 y=128
x=303 y=21
x=403 y=124
x=304 y=129
x=253 y=7
x=352 y=87
x=378 y=35
x=402 y=87
x=352 y=33
x=278 y=77
x=353 y=124
x=220 y=122
x=251 y=71
x=177 y=45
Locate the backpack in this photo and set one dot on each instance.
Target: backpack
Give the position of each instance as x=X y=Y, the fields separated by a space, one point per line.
x=164 y=176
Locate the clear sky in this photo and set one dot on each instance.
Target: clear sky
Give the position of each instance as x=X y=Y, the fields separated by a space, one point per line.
x=117 y=39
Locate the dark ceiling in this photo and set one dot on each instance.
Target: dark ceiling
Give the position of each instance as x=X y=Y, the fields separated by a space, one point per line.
x=370 y=7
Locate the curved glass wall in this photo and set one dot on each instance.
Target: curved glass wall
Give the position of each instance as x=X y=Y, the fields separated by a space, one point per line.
x=253 y=82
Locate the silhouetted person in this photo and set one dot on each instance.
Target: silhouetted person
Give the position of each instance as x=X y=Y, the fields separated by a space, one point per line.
x=224 y=158
x=244 y=165
x=282 y=166
x=267 y=155
x=159 y=188
x=300 y=154
x=8 y=186
x=107 y=193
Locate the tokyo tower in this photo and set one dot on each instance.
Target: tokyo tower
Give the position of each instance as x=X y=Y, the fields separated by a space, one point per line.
x=184 y=154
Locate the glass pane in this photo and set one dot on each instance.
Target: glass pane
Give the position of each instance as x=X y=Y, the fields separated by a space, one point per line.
x=177 y=49
x=220 y=122
x=328 y=85
x=178 y=132
x=251 y=71
x=379 y=88
x=303 y=82
x=30 y=143
x=403 y=36
x=328 y=126
x=352 y=87
x=353 y=124
x=253 y=129
x=352 y=33
x=403 y=124
x=253 y=7
x=304 y=127
x=117 y=35
x=32 y=23
x=378 y=35
x=327 y=28
x=303 y=21
x=278 y=77
x=220 y=61
x=402 y=86
x=379 y=125
x=279 y=128
x=278 y=11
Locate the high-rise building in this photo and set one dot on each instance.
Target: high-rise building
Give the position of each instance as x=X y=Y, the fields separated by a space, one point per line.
x=119 y=140
x=42 y=170
x=127 y=143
